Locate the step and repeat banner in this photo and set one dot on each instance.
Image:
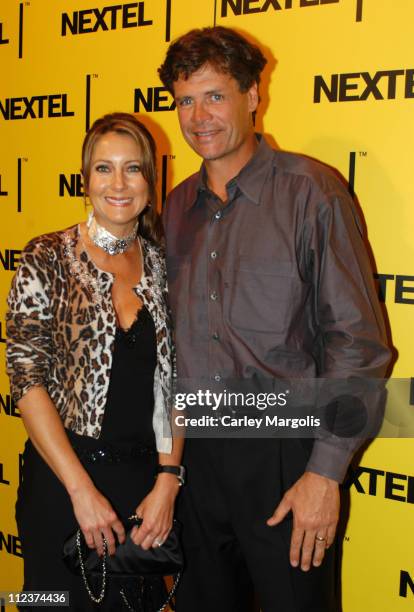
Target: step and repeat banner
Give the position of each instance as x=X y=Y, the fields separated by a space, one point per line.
x=339 y=87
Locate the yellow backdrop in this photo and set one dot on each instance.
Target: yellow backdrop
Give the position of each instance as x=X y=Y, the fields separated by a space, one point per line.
x=339 y=87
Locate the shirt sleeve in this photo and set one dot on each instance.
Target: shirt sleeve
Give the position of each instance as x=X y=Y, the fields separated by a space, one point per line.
x=28 y=322
x=351 y=331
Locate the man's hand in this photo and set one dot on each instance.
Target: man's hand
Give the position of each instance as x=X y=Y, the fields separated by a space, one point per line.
x=314 y=502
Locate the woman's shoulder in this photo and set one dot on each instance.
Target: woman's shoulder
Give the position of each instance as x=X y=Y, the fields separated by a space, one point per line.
x=152 y=249
x=47 y=245
x=38 y=265
x=154 y=262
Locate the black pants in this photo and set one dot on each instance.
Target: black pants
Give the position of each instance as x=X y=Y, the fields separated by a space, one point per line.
x=45 y=520
x=232 y=556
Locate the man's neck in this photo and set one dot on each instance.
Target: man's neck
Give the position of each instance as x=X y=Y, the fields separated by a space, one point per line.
x=221 y=171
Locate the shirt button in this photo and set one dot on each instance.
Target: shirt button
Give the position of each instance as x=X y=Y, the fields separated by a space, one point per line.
x=217 y=377
x=215 y=336
x=213 y=296
x=213 y=254
x=218 y=215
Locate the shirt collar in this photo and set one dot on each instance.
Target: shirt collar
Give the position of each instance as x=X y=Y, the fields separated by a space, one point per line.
x=251 y=177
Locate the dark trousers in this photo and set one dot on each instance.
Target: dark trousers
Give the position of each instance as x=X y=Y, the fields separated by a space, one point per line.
x=232 y=556
x=45 y=520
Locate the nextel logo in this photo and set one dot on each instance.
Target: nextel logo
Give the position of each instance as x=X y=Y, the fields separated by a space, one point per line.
x=8 y=406
x=9 y=258
x=3 y=41
x=156 y=99
x=405 y=582
x=107 y=18
x=71 y=184
x=359 y=86
x=11 y=544
x=3 y=480
x=402 y=288
x=3 y=193
x=398 y=487
x=36 y=107
x=2 y=336
x=245 y=7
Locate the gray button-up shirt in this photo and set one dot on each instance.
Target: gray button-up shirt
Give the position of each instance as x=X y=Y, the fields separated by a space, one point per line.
x=276 y=281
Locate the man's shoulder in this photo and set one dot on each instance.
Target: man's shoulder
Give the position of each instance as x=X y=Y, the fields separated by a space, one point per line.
x=185 y=192
x=316 y=173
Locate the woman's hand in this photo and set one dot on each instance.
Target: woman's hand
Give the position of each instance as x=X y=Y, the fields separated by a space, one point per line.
x=156 y=510
x=96 y=518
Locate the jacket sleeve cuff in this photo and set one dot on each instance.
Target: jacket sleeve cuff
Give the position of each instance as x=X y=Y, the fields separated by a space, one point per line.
x=329 y=460
x=18 y=391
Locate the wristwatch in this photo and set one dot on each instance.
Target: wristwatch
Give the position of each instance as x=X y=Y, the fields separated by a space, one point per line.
x=177 y=470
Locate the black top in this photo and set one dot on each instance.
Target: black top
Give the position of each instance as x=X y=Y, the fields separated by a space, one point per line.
x=130 y=401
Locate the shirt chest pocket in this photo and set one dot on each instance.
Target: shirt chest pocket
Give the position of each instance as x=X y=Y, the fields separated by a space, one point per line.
x=259 y=295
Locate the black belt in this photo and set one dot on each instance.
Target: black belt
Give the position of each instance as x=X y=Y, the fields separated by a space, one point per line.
x=107 y=454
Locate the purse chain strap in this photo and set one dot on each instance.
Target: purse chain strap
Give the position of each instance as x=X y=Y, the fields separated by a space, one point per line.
x=96 y=598
x=99 y=598
x=167 y=601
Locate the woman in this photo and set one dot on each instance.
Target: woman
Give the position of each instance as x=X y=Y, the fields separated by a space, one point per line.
x=90 y=363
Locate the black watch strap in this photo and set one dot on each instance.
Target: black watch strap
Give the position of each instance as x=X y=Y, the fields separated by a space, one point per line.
x=177 y=470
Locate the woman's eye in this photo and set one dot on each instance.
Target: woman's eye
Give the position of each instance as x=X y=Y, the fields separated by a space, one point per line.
x=134 y=168
x=102 y=168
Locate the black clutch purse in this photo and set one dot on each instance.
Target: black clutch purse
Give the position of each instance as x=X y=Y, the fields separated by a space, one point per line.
x=129 y=560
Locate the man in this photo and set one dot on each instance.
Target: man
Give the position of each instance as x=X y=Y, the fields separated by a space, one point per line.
x=268 y=276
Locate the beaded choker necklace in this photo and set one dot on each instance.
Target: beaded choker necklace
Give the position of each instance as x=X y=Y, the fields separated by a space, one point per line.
x=107 y=241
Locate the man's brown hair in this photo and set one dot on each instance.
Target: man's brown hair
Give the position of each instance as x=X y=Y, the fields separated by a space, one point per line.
x=223 y=48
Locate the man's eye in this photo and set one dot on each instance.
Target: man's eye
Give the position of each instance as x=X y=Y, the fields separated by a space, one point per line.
x=185 y=102
x=102 y=168
x=217 y=97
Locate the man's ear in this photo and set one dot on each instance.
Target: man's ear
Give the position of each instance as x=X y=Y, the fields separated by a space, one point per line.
x=253 y=97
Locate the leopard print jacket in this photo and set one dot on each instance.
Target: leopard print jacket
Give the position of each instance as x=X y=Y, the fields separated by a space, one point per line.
x=61 y=331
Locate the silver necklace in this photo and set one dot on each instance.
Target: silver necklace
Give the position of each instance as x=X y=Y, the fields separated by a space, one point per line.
x=107 y=241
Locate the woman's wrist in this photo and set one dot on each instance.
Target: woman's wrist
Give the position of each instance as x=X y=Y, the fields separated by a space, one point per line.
x=166 y=481
x=175 y=469
x=79 y=486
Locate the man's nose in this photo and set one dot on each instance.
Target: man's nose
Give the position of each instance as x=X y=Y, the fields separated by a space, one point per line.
x=201 y=113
